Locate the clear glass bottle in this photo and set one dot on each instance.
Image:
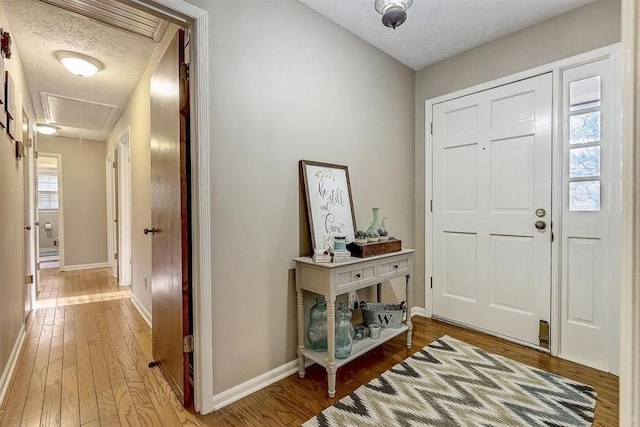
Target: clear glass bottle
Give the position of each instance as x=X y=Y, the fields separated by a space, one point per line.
x=344 y=340
x=317 y=330
x=344 y=307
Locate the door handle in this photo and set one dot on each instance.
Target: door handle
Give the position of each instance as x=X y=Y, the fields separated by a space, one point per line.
x=541 y=225
x=151 y=230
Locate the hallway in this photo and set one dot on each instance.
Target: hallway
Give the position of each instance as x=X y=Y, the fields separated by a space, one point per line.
x=87 y=348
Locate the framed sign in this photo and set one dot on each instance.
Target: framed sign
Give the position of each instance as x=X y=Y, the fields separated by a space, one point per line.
x=329 y=203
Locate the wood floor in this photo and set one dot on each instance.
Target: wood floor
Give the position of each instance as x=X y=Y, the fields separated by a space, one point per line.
x=87 y=349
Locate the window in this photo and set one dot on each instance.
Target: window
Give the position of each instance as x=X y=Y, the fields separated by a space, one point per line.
x=584 y=144
x=47 y=187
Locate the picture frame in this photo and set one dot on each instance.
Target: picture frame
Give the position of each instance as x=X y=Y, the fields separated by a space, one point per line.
x=329 y=204
x=10 y=96
x=3 y=114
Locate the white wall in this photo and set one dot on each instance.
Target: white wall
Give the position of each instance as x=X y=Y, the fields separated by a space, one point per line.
x=287 y=84
x=589 y=27
x=84 y=198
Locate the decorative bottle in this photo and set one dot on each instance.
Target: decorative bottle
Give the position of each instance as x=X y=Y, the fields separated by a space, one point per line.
x=317 y=330
x=344 y=307
x=344 y=340
x=375 y=224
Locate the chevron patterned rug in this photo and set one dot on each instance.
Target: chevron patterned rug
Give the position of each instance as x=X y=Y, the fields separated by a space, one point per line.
x=452 y=383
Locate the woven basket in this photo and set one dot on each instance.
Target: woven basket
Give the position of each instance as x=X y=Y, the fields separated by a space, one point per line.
x=385 y=315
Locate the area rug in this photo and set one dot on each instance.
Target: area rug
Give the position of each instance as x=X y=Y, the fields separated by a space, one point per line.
x=452 y=383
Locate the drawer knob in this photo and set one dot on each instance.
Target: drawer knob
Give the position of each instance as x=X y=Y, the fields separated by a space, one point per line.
x=395 y=266
x=358 y=275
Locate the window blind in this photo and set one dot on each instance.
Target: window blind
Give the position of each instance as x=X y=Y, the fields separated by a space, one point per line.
x=47 y=188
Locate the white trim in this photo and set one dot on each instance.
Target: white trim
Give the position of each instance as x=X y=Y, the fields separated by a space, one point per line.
x=630 y=283
x=12 y=363
x=419 y=311
x=84 y=266
x=125 y=266
x=143 y=311
x=198 y=22
x=233 y=394
x=555 y=68
x=61 y=239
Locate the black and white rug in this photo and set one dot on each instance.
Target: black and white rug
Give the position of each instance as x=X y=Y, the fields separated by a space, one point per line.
x=452 y=383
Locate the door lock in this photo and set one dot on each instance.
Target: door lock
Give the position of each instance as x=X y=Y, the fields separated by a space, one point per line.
x=541 y=225
x=540 y=213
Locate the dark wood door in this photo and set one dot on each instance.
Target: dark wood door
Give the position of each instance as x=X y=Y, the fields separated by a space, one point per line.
x=170 y=218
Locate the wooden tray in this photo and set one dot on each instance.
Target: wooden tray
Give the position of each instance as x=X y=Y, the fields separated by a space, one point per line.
x=375 y=248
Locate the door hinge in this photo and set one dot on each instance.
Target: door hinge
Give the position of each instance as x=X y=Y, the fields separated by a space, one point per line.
x=29 y=279
x=187 y=344
x=543 y=334
x=431 y=205
x=184 y=71
x=431 y=128
x=114 y=165
x=115 y=257
x=35 y=154
x=431 y=280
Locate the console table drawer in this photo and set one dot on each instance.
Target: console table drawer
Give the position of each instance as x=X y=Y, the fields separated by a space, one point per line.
x=394 y=267
x=349 y=277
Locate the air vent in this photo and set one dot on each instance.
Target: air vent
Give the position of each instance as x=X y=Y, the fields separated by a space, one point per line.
x=116 y=14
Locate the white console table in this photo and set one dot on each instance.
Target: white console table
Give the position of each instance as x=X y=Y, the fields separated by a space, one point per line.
x=332 y=279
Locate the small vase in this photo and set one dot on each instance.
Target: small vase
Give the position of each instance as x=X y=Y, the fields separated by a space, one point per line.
x=344 y=340
x=375 y=224
x=317 y=330
x=344 y=307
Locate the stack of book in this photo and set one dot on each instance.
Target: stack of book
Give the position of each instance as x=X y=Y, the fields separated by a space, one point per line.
x=341 y=256
x=321 y=256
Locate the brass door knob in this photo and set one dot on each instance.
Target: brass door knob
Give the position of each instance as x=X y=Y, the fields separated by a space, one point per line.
x=541 y=225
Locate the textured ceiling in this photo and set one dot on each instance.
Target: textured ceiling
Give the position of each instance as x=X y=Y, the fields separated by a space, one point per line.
x=438 y=29
x=39 y=30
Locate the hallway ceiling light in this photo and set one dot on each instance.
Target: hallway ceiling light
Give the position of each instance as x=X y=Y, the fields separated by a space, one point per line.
x=79 y=64
x=47 y=129
x=394 y=12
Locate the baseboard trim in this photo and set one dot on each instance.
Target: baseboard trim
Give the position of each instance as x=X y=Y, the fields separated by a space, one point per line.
x=418 y=311
x=12 y=363
x=84 y=266
x=227 y=397
x=141 y=309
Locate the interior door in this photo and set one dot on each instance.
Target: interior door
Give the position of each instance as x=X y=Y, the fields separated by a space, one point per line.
x=492 y=209
x=170 y=220
x=28 y=226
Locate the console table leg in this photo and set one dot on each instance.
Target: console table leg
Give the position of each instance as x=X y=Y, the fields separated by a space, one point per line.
x=409 y=305
x=300 y=295
x=331 y=347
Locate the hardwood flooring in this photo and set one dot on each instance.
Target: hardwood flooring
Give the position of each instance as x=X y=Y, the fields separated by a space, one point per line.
x=87 y=348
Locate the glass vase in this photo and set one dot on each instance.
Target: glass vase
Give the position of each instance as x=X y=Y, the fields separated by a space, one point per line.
x=344 y=307
x=344 y=340
x=317 y=330
x=375 y=224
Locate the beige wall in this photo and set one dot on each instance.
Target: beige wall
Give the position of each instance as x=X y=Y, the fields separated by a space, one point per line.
x=136 y=117
x=48 y=237
x=589 y=27
x=84 y=198
x=287 y=84
x=12 y=287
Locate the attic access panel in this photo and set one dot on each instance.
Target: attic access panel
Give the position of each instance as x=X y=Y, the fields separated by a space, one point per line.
x=63 y=111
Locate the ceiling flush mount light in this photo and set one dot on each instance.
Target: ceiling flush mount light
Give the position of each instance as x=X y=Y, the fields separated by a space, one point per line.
x=79 y=64
x=47 y=129
x=394 y=12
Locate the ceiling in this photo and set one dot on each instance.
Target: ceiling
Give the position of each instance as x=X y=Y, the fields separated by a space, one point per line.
x=438 y=29
x=86 y=107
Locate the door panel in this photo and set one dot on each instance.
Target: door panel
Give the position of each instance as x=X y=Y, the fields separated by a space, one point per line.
x=491 y=171
x=170 y=217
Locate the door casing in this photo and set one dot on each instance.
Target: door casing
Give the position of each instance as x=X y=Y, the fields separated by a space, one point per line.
x=556 y=172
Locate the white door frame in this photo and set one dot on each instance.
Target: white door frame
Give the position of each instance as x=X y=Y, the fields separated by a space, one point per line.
x=197 y=20
x=60 y=207
x=630 y=283
x=111 y=214
x=125 y=265
x=555 y=68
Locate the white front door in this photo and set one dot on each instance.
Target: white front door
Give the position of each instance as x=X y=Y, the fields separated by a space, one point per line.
x=491 y=184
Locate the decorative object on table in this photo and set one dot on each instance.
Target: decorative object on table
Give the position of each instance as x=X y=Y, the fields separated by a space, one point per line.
x=384 y=314
x=344 y=307
x=375 y=248
x=359 y=332
x=339 y=243
x=375 y=223
x=344 y=339
x=341 y=256
x=317 y=330
x=383 y=235
x=374 y=331
x=372 y=236
x=329 y=204
x=518 y=395
x=361 y=237
x=322 y=256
